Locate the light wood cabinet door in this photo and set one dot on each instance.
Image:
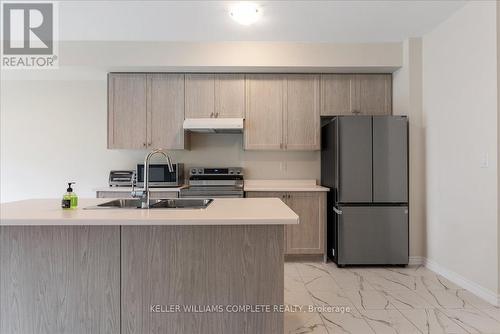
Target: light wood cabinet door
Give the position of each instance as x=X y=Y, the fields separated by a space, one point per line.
x=127 y=100
x=308 y=237
x=264 y=112
x=59 y=279
x=351 y=94
x=302 y=119
x=336 y=94
x=230 y=95
x=373 y=94
x=200 y=265
x=166 y=111
x=200 y=95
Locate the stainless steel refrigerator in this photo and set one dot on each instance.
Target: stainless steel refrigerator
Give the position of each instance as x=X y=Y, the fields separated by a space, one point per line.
x=364 y=162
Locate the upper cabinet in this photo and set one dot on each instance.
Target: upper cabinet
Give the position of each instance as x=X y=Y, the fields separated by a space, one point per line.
x=166 y=111
x=211 y=95
x=127 y=103
x=200 y=95
x=145 y=111
x=230 y=95
x=351 y=94
x=301 y=117
x=264 y=112
x=374 y=94
x=282 y=112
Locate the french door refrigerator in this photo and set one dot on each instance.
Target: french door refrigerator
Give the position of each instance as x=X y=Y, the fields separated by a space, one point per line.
x=364 y=162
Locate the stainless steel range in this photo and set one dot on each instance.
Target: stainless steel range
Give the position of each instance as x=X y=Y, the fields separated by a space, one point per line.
x=214 y=182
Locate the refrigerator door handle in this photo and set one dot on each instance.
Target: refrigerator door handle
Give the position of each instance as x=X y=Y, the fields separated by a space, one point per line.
x=337 y=211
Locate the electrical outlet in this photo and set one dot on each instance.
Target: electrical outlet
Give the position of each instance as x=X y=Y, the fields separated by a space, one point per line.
x=485 y=161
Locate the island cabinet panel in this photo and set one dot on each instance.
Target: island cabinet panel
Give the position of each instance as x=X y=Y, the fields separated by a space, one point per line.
x=201 y=265
x=308 y=237
x=59 y=279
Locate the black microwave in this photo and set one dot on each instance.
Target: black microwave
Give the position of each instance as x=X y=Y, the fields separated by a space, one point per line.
x=160 y=176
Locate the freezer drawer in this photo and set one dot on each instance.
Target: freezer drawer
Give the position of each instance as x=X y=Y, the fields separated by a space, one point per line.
x=372 y=235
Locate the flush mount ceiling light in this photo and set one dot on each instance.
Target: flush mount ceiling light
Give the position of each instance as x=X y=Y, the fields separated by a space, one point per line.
x=245 y=13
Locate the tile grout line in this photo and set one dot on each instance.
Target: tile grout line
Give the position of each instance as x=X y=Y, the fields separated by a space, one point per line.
x=305 y=287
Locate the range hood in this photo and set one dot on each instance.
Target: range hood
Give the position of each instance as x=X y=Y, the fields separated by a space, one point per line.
x=214 y=125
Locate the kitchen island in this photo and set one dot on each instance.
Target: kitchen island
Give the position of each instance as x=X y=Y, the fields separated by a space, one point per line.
x=213 y=270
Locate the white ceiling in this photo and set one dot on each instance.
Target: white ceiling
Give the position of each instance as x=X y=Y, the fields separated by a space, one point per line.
x=289 y=21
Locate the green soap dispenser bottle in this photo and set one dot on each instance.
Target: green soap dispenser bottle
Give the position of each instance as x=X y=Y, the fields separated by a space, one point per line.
x=70 y=200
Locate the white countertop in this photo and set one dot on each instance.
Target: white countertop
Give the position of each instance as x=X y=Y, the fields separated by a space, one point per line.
x=129 y=189
x=222 y=211
x=283 y=185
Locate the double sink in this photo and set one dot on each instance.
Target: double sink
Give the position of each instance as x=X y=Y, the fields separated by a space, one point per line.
x=170 y=203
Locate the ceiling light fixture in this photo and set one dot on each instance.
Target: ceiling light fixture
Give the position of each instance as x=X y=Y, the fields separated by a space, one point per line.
x=245 y=13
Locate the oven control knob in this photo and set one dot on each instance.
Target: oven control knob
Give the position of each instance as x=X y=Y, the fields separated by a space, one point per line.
x=231 y=172
x=193 y=171
x=200 y=171
x=238 y=172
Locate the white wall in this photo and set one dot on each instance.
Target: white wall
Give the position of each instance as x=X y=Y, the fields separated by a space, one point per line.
x=460 y=117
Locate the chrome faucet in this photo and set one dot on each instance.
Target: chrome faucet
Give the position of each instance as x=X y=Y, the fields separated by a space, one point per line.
x=145 y=195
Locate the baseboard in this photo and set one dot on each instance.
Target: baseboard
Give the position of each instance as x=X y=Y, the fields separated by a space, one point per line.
x=463 y=282
x=416 y=260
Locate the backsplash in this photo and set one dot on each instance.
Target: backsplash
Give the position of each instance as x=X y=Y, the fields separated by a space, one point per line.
x=227 y=150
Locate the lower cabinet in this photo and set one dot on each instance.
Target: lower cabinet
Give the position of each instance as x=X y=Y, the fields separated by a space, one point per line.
x=308 y=237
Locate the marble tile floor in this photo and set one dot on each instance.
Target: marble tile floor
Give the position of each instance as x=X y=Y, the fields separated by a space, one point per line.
x=381 y=300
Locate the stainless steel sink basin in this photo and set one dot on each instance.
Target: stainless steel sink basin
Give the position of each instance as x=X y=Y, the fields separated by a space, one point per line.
x=170 y=203
x=182 y=203
x=121 y=203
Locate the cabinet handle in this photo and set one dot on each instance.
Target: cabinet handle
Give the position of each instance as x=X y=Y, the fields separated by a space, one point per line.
x=143 y=144
x=289 y=196
x=356 y=112
x=211 y=115
x=217 y=114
